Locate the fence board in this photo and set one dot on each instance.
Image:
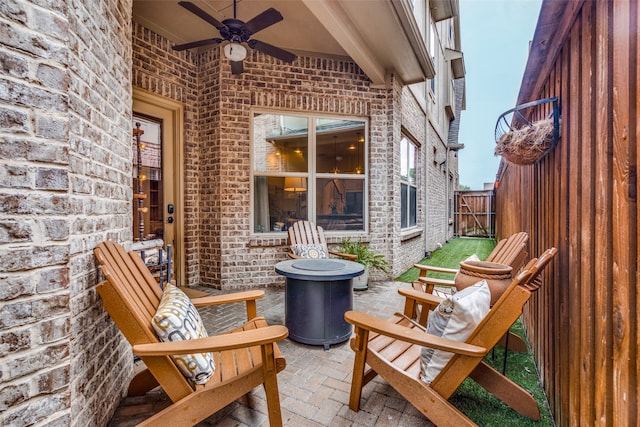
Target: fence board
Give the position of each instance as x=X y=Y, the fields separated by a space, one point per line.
x=582 y=198
x=586 y=159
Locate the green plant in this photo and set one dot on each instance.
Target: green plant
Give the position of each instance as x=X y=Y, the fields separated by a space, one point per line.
x=366 y=255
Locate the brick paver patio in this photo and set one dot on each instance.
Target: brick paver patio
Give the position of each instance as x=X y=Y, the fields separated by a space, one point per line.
x=314 y=388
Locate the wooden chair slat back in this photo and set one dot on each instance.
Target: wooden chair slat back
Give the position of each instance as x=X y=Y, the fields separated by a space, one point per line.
x=495 y=325
x=134 y=289
x=131 y=296
x=510 y=249
x=305 y=232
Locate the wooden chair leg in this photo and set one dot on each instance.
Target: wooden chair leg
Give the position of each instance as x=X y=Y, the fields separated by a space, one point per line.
x=425 y=399
x=359 y=346
x=410 y=308
x=516 y=343
x=141 y=383
x=252 y=310
x=271 y=385
x=506 y=390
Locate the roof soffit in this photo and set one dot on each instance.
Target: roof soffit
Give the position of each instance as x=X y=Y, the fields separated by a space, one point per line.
x=443 y=9
x=379 y=35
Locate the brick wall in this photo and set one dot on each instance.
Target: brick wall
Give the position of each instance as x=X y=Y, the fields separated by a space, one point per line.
x=219 y=229
x=158 y=69
x=64 y=186
x=220 y=249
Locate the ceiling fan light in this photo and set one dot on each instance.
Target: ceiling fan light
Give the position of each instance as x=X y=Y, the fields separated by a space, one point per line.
x=235 y=51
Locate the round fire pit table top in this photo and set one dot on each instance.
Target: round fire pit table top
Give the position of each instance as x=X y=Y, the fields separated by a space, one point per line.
x=319 y=269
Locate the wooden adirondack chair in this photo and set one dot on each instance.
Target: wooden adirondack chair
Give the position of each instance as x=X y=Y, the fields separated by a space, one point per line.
x=305 y=233
x=245 y=357
x=511 y=251
x=391 y=349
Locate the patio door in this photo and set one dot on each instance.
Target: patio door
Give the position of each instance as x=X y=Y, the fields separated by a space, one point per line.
x=157 y=174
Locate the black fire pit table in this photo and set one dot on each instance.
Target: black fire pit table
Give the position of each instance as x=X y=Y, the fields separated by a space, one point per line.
x=317 y=294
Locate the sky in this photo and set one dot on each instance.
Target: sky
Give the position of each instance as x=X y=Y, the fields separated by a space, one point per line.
x=495 y=42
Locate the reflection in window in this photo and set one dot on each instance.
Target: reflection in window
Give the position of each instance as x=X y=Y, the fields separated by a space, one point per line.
x=340 y=204
x=278 y=202
x=408 y=189
x=289 y=185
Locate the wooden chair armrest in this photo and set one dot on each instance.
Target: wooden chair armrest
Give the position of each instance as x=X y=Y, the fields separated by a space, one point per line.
x=294 y=256
x=254 y=337
x=418 y=337
x=413 y=298
x=436 y=282
x=420 y=297
x=350 y=257
x=228 y=298
x=428 y=268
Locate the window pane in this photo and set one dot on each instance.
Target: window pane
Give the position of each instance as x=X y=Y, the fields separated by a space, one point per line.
x=148 y=204
x=340 y=204
x=340 y=146
x=404 y=159
x=403 y=205
x=412 y=206
x=278 y=202
x=280 y=143
x=412 y=162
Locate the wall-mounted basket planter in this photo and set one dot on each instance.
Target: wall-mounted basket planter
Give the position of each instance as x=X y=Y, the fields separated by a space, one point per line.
x=523 y=142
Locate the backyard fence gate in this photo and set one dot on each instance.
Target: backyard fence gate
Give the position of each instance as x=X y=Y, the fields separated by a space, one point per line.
x=474 y=214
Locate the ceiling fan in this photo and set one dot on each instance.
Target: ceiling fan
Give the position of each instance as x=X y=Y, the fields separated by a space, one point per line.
x=237 y=32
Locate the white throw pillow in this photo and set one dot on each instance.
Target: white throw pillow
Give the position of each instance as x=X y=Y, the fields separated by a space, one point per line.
x=454 y=318
x=177 y=319
x=312 y=250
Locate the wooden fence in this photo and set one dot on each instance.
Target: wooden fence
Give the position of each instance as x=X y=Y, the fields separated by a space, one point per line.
x=582 y=198
x=474 y=214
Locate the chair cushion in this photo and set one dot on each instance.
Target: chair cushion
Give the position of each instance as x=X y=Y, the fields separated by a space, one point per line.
x=454 y=318
x=312 y=250
x=177 y=319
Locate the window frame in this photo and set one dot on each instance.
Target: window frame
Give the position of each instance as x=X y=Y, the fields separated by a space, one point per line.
x=405 y=138
x=311 y=175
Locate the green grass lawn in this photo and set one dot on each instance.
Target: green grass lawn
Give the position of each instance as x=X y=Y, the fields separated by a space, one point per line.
x=474 y=401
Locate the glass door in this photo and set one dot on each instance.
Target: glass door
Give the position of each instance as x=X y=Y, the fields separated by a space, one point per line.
x=157 y=175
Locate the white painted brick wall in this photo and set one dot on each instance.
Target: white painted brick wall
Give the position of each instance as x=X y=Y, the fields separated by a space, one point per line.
x=64 y=187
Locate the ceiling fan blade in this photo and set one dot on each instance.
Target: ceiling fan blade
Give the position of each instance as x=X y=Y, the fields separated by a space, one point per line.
x=202 y=14
x=237 y=67
x=263 y=20
x=198 y=43
x=271 y=50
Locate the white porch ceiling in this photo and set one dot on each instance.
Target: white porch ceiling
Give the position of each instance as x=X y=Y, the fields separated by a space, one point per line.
x=379 y=35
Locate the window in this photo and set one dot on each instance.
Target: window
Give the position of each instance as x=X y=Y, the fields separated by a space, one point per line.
x=408 y=188
x=432 y=52
x=308 y=168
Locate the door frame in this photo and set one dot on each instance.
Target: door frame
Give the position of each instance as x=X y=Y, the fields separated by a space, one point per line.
x=172 y=113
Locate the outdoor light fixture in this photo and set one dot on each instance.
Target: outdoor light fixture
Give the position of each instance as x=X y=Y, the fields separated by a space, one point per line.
x=235 y=51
